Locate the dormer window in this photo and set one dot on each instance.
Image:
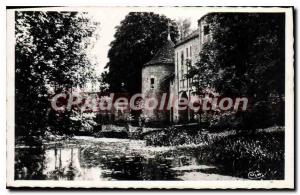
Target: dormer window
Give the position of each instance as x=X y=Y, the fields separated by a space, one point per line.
x=206 y=30
x=205 y=34
x=182 y=58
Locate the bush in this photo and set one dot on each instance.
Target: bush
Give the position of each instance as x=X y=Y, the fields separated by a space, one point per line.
x=219 y=122
x=238 y=155
x=174 y=136
x=112 y=134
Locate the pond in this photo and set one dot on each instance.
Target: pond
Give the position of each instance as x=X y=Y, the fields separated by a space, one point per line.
x=88 y=158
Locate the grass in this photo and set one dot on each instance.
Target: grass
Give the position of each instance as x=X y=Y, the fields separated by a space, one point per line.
x=241 y=155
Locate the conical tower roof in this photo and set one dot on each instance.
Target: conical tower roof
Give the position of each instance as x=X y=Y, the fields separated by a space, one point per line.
x=165 y=55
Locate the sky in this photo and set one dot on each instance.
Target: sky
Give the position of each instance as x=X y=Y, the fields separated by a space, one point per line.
x=110 y=17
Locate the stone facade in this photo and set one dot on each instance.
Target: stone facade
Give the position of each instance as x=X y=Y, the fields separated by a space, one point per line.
x=184 y=55
x=155 y=81
x=154 y=85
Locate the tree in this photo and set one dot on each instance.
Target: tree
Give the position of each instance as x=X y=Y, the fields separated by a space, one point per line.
x=50 y=55
x=137 y=39
x=246 y=57
x=104 y=86
x=184 y=27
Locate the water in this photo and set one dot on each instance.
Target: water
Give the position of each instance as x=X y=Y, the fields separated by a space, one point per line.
x=87 y=158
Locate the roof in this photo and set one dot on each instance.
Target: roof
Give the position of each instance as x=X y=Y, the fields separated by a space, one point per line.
x=192 y=35
x=165 y=55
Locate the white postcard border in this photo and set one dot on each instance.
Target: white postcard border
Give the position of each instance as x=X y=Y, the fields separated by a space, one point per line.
x=287 y=183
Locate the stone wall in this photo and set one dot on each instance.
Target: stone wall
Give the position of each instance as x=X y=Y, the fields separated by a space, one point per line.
x=160 y=74
x=190 y=50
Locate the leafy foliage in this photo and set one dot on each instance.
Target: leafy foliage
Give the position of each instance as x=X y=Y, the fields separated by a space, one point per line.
x=246 y=58
x=233 y=153
x=239 y=155
x=137 y=39
x=50 y=57
x=184 y=27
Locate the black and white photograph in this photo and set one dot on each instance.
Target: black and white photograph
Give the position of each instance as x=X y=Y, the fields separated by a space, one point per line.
x=150 y=97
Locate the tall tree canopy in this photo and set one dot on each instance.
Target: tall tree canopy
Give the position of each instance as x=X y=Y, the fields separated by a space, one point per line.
x=50 y=54
x=184 y=27
x=246 y=57
x=137 y=39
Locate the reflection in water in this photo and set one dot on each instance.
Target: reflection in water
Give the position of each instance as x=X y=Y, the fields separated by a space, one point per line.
x=60 y=164
x=102 y=159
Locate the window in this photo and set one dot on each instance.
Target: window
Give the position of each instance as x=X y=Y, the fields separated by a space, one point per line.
x=152 y=83
x=182 y=64
x=187 y=52
x=206 y=30
x=182 y=58
x=190 y=51
x=182 y=83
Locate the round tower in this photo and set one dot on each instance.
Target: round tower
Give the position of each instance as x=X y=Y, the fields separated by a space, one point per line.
x=155 y=81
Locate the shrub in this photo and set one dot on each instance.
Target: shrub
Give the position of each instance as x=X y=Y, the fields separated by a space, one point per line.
x=238 y=155
x=173 y=136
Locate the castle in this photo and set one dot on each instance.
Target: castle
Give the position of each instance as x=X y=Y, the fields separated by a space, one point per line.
x=166 y=73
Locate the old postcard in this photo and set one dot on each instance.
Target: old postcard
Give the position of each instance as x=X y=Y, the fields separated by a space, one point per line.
x=150 y=97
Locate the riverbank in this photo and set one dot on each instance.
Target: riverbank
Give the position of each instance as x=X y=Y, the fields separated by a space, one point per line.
x=258 y=155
